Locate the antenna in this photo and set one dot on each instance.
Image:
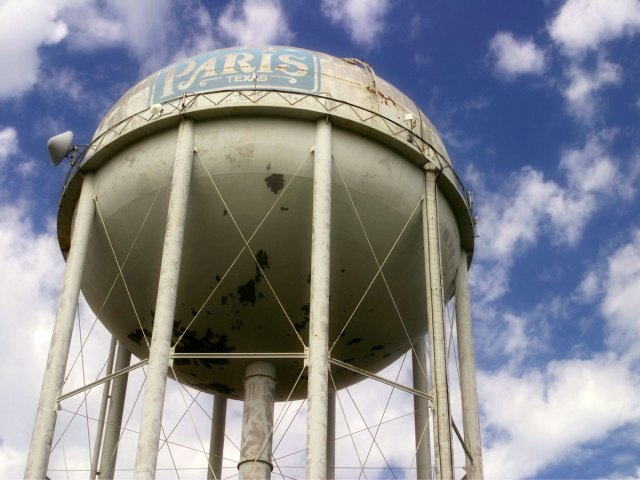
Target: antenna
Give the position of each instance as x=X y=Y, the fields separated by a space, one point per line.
x=60 y=146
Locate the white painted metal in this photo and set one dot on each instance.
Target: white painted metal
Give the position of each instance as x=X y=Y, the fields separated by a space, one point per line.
x=160 y=350
x=97 y=445
x=331 y=436
x=444 y=458
x=252 y=144
x=421 y=415
x=252 y=141
x=257 y=422
x=216 y=444
x=114 y=418
x=468 y=387
x=318 y=362
x=43 y=430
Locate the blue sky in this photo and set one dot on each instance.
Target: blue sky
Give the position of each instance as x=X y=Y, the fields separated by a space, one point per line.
x=538 y=103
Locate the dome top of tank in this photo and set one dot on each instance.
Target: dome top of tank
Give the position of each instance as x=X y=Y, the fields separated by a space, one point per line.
x=276 y=76
x=275 y=81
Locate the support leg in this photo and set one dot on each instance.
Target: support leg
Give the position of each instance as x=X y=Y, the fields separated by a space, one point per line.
x=444 y=459
x=216 y=445
x=114 y=419
x=160 y=351
x=257 y=421
x=43 y=430
x=97 y=446
x=318 y=384
x=468 y=388
x=331 y=436
x=421 y=416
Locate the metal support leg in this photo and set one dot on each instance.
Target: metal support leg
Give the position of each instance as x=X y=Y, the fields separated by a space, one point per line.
x=216 y=445
x=114 y=418
x=97 y=446
x=468 y=388
x=331 y=436
x=444 y=459
x=156 y=383
x=318 y=359
x=45 y=423
x=257 y=421
x=421 y=416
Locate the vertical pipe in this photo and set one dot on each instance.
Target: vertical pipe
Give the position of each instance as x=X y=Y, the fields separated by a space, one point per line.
x=257 y=421
x=468 y=388
x=160 y=351
x=95 y=458
x=43 y=429
x=331 y=436
x=216 y=445
x=318 y=356
x=421 y=416
x=114 y=418
x=444 y=459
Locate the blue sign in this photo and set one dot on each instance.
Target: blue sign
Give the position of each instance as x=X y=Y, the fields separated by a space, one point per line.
x=269 y=68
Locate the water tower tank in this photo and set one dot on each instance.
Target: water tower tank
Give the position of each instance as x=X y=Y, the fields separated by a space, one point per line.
x=255 y=110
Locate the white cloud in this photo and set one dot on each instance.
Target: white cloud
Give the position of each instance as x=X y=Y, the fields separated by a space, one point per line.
x=581 y=25
x=552 y=411
x=515 y=57
x=8 y=144
x=621 y=303
x=142 y=27
x=29 y=279
x=363 y=19
x=529 y=205
x=255 y=22
x=25 y=26
x=580 y=93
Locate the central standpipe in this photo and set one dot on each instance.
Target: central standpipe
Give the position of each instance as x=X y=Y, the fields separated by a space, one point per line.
x=444 y=454
x=257 y=421
x=318 y=356
x=160 y=351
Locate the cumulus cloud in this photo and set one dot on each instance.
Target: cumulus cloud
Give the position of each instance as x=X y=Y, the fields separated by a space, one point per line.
x=552 y=411
x=363 y=19
x=8 y=144
x=513 y=57
x=621 y=302
x=530 y=205
x=25 y=26
x=580 y=93
x=29 y=279
x=582 y=25
x=255 y=22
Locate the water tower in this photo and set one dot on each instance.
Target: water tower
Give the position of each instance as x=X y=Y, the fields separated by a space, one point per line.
x=267 y=224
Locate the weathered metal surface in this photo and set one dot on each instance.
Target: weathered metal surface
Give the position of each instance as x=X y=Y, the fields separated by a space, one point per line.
x=251 y=144
x=433 y=268
x=167 y=295
x=318 y=383
x=257 y=422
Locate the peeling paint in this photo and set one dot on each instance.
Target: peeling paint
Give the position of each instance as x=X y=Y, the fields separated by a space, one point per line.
x=275 y=182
